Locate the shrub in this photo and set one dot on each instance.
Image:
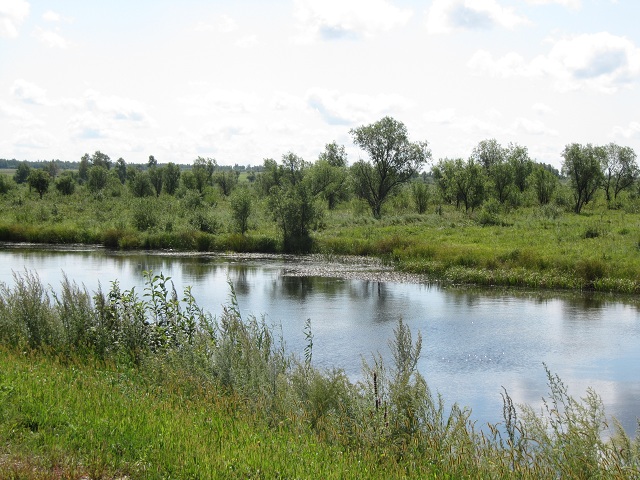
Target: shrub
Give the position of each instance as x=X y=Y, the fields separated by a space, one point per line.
x=145 y=215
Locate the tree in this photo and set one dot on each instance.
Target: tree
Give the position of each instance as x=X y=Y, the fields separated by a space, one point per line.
x=100 y=159
x=488 y=153
x=468 y=183
x=22 y=173
x=394 y=160
x=152 y=162
x=141 y=185
x=98 y=177
x=83 y=168
x=294 y=210
x=156 y=177
x=334 y=154
x=521 y=165
x=65 y=184
x=226 y=180
x=241 y=208
x=293 y=167
x=443 y=173
x=329 y=181
x=582 y=164
x=202 y=170
x=39 y=181
x=544 y=183
x=420 y=194
x=121 y=170
x=171 y=178
x=619 y=170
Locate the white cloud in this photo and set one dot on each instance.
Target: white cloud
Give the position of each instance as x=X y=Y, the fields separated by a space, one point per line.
x=249 y=41
x=219 y=101
x=339 y=19
x=12 y=14
x=600 y=61
x=446 y=16
x=542 y=109
x=18 y=116
x=222 y=24
x=116 y=108
x=632 y=131
x=350 y=108
x=444 y=116
x=35 y=139
x=28 y=92
x=575 y=4
x=534 y=127
x=51 y=38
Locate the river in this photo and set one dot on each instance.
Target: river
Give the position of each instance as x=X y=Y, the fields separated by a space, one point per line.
x=475 y=341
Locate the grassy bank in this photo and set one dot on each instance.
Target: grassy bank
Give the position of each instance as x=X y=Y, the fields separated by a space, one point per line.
x=113 y=384
x=529 y=246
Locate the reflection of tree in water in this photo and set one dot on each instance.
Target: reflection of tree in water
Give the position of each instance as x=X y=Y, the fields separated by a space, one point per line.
x=295 y=287
x=239 y=276
x=199 y=268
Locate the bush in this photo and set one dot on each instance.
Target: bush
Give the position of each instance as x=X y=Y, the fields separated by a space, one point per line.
x=145 y=216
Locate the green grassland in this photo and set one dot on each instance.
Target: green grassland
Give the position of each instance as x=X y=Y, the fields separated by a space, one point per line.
x=531 y=246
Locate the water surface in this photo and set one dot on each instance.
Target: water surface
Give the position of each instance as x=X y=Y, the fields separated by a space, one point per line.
x=474 y=341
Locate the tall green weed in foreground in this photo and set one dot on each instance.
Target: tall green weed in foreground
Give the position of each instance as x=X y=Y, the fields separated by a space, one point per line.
x=389 y=421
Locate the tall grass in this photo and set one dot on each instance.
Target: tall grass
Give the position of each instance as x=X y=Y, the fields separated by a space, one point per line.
x=147 y=384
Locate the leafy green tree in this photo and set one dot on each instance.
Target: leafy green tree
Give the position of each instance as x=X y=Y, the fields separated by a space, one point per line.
x=5 y=184
x=202 y=170
x=294 y=210
x=393 y=160
x=544 y=184
x=226 y=180
x=52 y=169
x=521 y=165
x=39 y=180
x=293 y=168
x=582 y=164
x=66 y=185
x=241 y=207
x=98 y=177
x=22 y=173
x=329 y=181
x=420 y=194
x=152 y=162
x=83 y=168
x=334 y=154
x=488 y=153
x=469 y=182
x=156 y=177
x=99 y=159
x=171 y=178
x=121 y=170
x=141 y=185
x=501 y=176
x=620 y=170
x=443 y=173
x=271 y=176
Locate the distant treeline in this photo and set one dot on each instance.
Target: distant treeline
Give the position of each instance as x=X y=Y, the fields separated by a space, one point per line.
x=67 y=165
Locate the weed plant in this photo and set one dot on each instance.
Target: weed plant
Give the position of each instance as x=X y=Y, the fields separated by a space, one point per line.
x=148 y=385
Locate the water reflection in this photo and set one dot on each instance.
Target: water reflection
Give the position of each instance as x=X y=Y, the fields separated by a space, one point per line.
x=475 y=341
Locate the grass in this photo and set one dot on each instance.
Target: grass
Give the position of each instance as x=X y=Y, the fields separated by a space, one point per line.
x=116 y=385
x=528 y=246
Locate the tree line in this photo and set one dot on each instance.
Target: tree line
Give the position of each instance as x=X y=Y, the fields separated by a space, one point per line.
x=297 y=191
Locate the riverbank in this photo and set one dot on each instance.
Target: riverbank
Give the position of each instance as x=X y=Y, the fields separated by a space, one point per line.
x=539 y=247
x=123 y=386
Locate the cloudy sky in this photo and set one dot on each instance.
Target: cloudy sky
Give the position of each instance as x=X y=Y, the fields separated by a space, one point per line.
x=244 y=80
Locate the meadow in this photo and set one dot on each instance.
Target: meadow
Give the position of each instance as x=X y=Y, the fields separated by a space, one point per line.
x=524 y=245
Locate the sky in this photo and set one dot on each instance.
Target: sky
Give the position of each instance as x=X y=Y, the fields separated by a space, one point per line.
x=245 y=80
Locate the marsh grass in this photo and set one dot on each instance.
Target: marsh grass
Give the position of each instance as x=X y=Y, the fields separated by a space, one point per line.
x=146 y=384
